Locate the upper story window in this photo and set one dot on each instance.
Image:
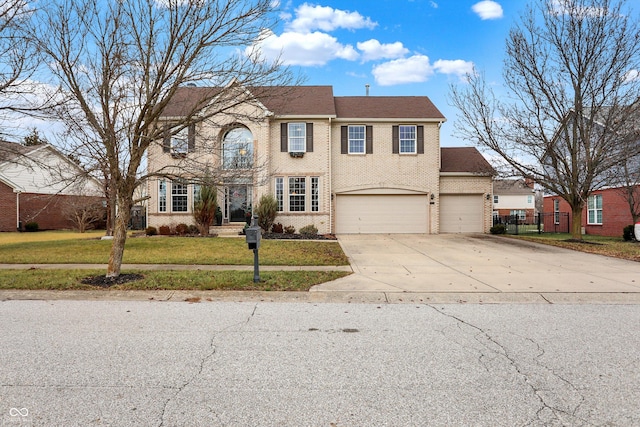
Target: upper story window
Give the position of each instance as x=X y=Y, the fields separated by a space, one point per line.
x=180 y=143
x=297 y=137
x=237 y=149
x=594 y=209
x=496 y=199
x=356 y=139
x=407 y=139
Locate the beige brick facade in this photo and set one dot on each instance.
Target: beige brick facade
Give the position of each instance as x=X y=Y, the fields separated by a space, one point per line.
x=325 y=172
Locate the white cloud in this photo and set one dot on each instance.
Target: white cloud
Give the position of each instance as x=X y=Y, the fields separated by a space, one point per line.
x=488 y=9
x=309 y=49
x=310 y=17
x=457 y=67
x=415 y=69
x=433 y=4
x=373 y=49
x=631 y=76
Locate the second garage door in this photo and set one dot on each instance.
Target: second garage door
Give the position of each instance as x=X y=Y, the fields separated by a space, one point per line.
x=461 y=213
x=375 y=213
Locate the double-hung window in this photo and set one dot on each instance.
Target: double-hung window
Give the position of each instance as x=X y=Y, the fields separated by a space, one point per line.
x=178 y=197
x=594 y=209
x=297 y=137
x=556 y=211
x=180 y=142
x=407 y=139
x=297 y=194
x=357 y=139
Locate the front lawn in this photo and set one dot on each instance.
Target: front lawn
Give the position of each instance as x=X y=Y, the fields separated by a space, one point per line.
x=168 y=250
x=37 y=279
x=75 y=248
x=608 y=246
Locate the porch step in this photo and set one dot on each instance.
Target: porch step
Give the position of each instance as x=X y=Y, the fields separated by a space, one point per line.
x=227 y=230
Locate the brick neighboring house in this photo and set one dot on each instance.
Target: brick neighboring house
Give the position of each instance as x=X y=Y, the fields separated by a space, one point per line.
x=39 y=184
x=514 y=197
x=606 y=212
x=344 y=164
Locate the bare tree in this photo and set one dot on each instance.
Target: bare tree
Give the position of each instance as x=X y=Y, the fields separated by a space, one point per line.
x=571 y=76
x=83 y=211
x=119 y=64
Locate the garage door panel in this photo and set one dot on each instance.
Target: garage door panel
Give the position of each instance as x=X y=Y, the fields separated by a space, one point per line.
x=461 y=213
x=370 y=214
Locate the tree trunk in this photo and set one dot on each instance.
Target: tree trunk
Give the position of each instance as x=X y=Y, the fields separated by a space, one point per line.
x=119 y=239
x=576 y=222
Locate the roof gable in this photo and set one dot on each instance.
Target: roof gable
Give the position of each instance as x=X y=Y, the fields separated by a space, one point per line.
x=464 y=160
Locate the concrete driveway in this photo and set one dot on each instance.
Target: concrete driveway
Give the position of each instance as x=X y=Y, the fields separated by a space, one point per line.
x=460 y=263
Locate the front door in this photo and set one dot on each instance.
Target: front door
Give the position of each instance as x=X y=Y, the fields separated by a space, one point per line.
x=238 y=202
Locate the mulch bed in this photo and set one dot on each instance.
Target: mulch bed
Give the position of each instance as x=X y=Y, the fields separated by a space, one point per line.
x=106 y=282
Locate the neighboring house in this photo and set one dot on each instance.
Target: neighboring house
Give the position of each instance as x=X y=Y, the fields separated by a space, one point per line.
x=39 y=184
x=344 y=164
x=605 y=213
x=514 y=198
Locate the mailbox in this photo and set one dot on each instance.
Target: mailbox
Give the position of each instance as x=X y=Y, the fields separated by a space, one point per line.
x=254 y=235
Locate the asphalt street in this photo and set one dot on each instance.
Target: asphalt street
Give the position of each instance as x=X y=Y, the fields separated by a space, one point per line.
x=152 y=363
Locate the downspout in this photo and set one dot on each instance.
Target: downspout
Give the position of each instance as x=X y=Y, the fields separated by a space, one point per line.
x=18 y=210
x=330 y=183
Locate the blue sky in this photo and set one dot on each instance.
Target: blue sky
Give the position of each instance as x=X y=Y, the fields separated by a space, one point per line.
x=398 y=47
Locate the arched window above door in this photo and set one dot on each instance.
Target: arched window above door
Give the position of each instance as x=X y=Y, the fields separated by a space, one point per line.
x=237 y=149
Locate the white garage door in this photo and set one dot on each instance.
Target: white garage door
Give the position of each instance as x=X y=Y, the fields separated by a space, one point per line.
x=461 y=213
x=370 y=214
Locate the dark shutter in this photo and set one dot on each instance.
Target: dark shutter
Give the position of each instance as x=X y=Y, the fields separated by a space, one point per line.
x=309 y=137
x=395 y=140
x=369 y=139
x=284 y=137
x=420 y=139
x=191 y=139
x=166 y=140
x=344 y=139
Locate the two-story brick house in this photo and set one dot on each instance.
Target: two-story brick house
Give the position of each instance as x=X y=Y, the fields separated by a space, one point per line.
x=345 y=164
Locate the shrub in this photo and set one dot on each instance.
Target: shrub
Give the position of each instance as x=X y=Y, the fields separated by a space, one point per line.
x=164 y=230
x=277 y=228
x=205 y=208
x=151 y=231
x=627 y=233
x=309 y=230
x=498 y=229
x=267 y=210
x=31 y=226
x=289 y=229
x=182 y=229
x=193 y=229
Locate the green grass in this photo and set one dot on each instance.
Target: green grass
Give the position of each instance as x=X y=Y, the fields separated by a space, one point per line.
x=602 y=245
x=75 y=248
x=171 y=250
x=37 y=279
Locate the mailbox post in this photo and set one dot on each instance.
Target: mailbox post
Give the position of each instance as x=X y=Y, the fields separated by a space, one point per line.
x=254 y=235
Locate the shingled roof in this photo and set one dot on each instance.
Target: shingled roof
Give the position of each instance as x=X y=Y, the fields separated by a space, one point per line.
x=392 y=107
x=11 y=150
x=464 y=159
x=313 y=101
